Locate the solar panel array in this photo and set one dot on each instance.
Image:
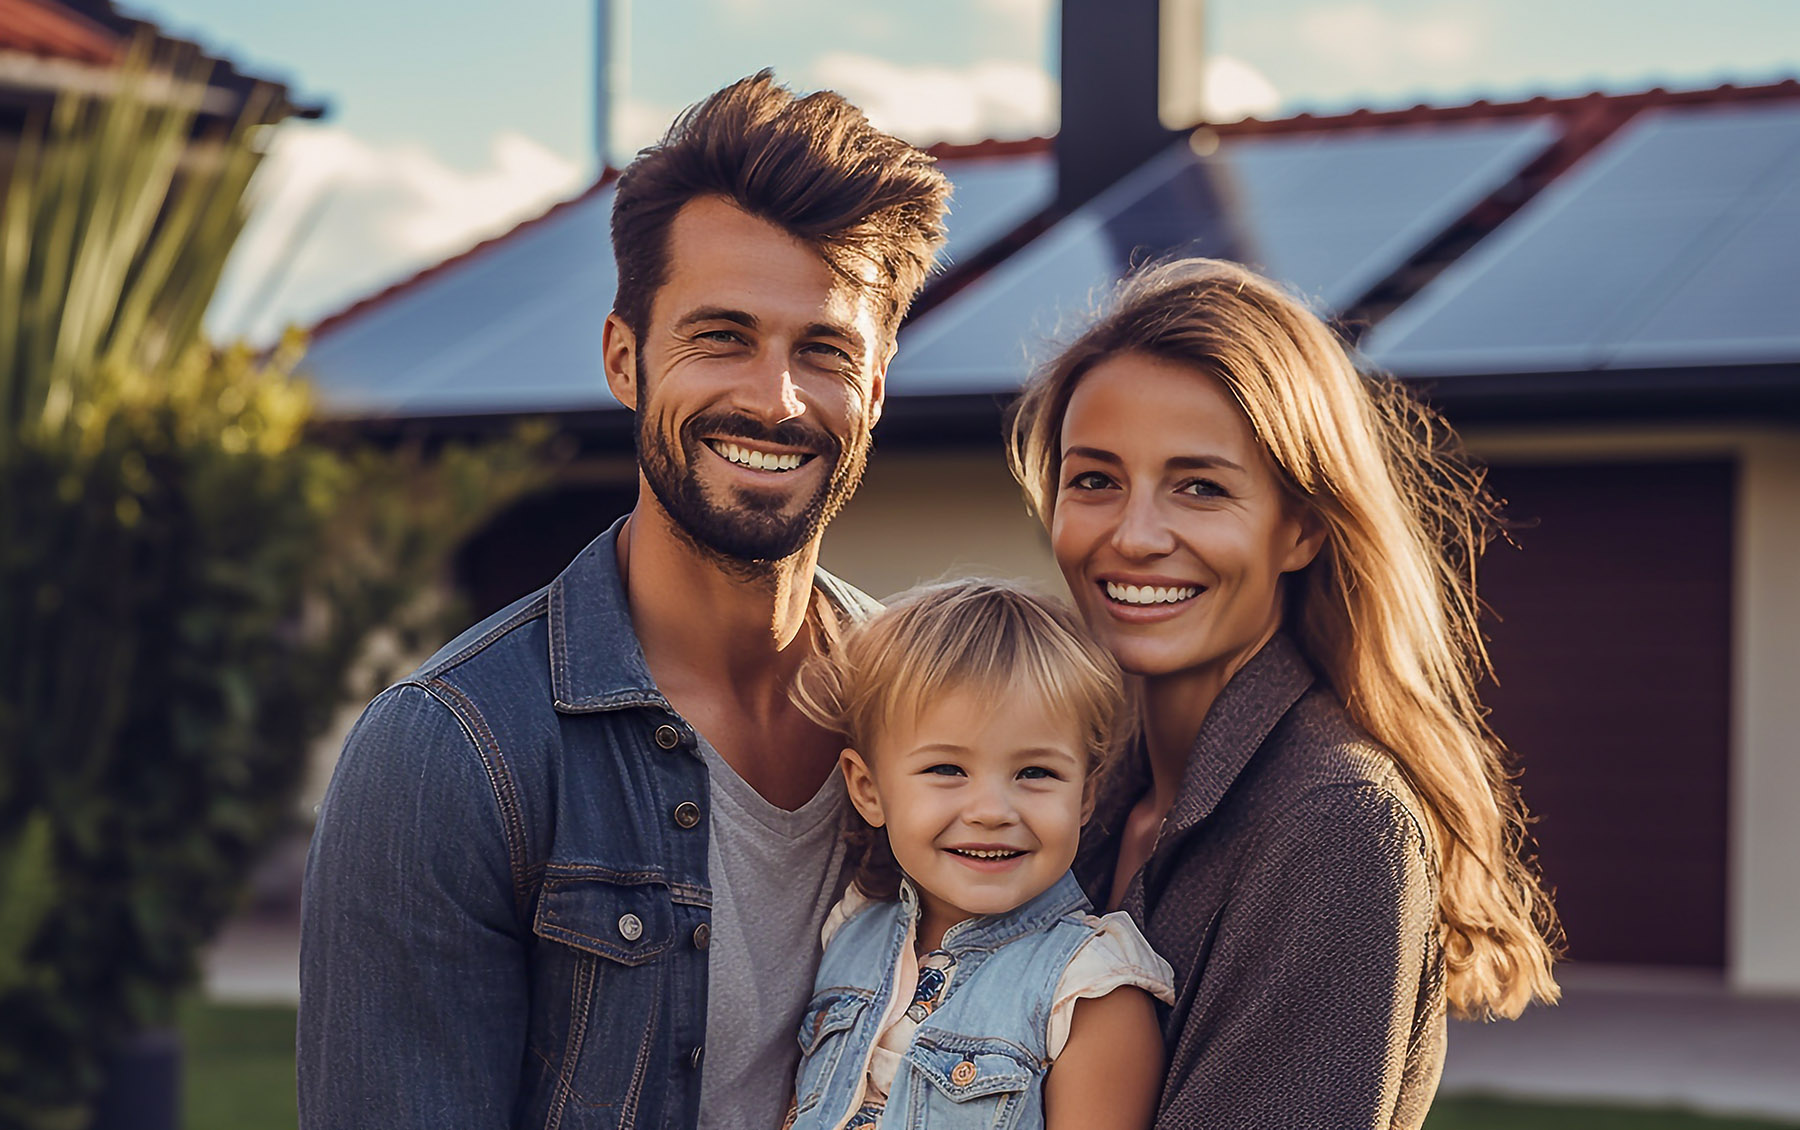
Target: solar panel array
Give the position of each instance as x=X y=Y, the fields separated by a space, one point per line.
x=1329 y=214
x=516 y=326
x=1675 y=244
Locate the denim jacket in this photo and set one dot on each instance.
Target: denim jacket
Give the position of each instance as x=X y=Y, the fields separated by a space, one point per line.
x=978 y=1060
x=506 y=904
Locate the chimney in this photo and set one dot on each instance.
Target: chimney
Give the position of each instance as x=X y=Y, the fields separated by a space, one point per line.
x=1130 y=70
x=612 y=46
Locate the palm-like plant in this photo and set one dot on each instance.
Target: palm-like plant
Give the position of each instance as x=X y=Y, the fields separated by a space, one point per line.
x=186 y=575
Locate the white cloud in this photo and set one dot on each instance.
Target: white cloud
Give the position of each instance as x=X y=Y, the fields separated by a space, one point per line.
x=926 y=104
x=1235 y=89
x=339 y=217
x=1033 y=14
x=637 y=123
x=1371 y=43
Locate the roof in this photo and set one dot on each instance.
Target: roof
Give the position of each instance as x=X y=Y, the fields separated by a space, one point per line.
x=52 y=31
x=1379 y=218
x=47 y=46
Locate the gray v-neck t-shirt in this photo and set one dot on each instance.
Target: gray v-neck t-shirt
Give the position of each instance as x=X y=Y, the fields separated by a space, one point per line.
x=775 y=875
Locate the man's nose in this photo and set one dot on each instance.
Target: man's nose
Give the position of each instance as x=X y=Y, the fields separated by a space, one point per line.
x=770 y=394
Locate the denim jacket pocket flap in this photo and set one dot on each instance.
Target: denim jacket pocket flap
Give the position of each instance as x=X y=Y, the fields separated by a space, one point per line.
x=629 y=923
x=831 y=1011
x=973 y=1069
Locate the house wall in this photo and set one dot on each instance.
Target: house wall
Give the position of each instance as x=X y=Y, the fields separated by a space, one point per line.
x=926 y=515
x=1766 y=740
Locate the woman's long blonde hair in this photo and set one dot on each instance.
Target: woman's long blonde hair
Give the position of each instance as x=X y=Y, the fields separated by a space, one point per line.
x=1387 y=612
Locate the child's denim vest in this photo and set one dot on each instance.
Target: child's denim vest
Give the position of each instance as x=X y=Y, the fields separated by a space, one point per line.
x=979 y=1059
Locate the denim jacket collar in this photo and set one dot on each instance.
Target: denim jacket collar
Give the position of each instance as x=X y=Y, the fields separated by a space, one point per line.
x=991 y=931
x=596 y=662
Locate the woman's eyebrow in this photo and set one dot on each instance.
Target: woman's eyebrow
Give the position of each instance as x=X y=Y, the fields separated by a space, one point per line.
x=1202 y=463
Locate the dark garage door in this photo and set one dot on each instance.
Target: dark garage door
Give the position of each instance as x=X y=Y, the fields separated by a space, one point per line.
x=1612 y=646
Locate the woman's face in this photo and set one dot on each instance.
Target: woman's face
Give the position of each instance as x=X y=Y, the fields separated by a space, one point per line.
x=1170 y=525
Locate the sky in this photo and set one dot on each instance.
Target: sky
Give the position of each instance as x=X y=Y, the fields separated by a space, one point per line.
x=445 y=129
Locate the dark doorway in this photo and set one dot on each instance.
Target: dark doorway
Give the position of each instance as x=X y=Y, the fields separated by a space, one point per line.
x=524 y=548
x=1613 y=653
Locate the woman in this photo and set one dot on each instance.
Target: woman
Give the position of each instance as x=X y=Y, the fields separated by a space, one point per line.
x=1315 y=825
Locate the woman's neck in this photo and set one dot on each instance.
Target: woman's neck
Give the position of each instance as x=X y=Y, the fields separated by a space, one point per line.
x=1175 y=706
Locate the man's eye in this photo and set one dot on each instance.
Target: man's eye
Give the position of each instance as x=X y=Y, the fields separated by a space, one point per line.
x=945 y=770
x=721 y=337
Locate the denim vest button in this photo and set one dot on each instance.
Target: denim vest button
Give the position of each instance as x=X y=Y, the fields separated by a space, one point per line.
x=631 y=927
x=702 y=936
x=695 y=1056
x=963 y=1073
x=667 y=736
x=687 y=814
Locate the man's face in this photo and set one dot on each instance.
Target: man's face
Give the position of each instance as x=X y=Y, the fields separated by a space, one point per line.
x=756 y=383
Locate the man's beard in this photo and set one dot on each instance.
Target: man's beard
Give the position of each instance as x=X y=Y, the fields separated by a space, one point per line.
x=748 y=526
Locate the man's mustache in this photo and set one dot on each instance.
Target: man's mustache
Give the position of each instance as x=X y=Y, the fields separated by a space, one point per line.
x=738 y=425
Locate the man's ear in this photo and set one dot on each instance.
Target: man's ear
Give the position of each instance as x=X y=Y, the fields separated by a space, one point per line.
x=861 y=785
x=878 y=387
x=618 y=354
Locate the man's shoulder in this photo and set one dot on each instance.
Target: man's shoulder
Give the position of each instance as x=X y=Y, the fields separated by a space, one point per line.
x=515 y=636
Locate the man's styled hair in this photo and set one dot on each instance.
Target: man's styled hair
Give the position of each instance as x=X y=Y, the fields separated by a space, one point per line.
x=979 y=637
x=812 y=166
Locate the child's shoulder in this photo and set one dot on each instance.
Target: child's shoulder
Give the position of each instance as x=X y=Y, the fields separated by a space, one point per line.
x=854 y=903
x=1119 y=954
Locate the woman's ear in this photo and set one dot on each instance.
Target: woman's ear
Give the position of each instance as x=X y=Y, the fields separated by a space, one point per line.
x=861 y=785
x=1308 y=538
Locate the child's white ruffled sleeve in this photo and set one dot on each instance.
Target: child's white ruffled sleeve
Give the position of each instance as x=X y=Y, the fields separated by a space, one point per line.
x=1116 y=956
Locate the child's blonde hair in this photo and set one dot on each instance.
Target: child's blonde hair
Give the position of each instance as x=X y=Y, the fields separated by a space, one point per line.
x=980 y=637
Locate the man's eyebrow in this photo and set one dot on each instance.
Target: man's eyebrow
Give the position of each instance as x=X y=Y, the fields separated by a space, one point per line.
x=717 y=314
x=846 y=334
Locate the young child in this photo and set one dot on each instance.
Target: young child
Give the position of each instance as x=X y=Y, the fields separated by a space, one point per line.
x=965 y=982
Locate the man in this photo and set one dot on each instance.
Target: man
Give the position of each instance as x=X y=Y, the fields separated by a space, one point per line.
x=586 y=848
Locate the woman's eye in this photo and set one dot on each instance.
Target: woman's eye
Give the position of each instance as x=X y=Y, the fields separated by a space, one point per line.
x=1202 y=488
x=1090 y=480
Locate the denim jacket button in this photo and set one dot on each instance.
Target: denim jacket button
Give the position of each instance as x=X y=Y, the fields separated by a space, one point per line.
x=667 y=736
x=695 y=1056
x=963 y=1073
x=702 y=936
x=631 y=927
x=687 y=814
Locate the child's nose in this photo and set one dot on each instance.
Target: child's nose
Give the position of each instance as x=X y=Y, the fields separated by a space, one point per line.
x=991 y=804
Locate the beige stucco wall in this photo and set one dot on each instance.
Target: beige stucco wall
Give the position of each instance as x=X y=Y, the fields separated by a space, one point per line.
x=1765 y=895
x=921 y=516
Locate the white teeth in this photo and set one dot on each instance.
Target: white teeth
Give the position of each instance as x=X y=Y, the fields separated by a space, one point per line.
x=757 y=460
x=1149 y=594
x=984 y=854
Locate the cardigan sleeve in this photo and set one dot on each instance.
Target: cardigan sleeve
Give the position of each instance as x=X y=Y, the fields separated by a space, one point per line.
x=1305 y=1008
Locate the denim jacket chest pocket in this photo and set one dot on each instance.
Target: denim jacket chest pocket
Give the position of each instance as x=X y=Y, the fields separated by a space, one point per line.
x=824 y=1036
x=967 y=1081
x=596 y=975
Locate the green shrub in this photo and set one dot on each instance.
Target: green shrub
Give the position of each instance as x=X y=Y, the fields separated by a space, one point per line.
x=188 y=576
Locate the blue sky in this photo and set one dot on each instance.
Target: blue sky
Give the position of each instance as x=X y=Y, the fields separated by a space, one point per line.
x=445 y=129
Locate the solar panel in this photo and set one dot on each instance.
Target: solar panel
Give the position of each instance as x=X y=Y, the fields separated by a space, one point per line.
x=1676 y=244
x=516 y=327
x=1330 y=213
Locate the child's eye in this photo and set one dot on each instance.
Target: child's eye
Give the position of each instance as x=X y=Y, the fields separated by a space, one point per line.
x=946 y=770
x=1038 y=773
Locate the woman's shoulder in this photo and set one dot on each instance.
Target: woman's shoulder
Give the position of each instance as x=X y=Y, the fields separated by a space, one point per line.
x=1321 y=776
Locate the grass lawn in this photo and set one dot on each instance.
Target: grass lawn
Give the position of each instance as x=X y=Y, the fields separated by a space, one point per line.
x=240 y=1076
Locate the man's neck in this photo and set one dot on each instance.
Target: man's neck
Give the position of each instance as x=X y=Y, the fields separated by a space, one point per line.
x=724 y=648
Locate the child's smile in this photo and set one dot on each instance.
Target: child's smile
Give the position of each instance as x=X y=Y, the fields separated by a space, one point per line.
x=982 y=796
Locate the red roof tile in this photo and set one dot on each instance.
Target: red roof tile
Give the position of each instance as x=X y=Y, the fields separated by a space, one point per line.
x=49 y=30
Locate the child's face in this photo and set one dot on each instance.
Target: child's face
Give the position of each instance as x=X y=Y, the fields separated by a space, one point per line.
x=983 y=800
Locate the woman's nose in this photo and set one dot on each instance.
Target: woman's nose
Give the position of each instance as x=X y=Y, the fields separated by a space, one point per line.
x=1142 y=531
